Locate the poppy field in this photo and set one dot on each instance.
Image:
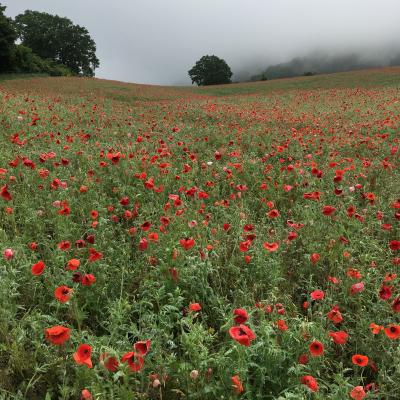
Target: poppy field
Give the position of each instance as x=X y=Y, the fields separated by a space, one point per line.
x=236 y=241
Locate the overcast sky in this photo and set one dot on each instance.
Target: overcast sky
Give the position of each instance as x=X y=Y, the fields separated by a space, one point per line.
x=158 y=41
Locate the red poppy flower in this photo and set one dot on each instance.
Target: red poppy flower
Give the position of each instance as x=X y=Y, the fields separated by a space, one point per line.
x=396 y=304
x=194 y=307
x=273 y=214
x=392 y=331
x=8 y=254
x=5 y=194
x=328 y=210
x=281 y=324
x=271 y=246
x=245 y=246
x=237 y=384
x=145 y=226
x=312 y=196
x=310 y=382
x=385 y=292
x=394 y=245
x=143 y=244
x=353 y=273
x=73 y=264
x=375 y=329
x=62 y=293
x=38 y=268
x=135 y=362
x=242 y=334
x=358 y=393
x=88 y=280
x=124 y=201
x=335 y=315
x=357 y=288
x=187 y=243
x=82 y=355
x=314 y=258
x=94 y=255
x=339 y=337
x=114 y=157
x=64 y=245
x=86 y=395
x=303 y=359
x=241 y=315
x=316 y=348
x=360 y=360
x=109 y=362
x=57 y=334
x=142 y=347
x=317 y=295
x=94 y=214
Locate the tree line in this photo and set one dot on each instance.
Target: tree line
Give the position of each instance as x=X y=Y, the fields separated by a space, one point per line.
x=38 y=42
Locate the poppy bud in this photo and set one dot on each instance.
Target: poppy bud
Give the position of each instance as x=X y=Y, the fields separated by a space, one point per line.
x=156 y=383
x=8 y=254
x=194 y=374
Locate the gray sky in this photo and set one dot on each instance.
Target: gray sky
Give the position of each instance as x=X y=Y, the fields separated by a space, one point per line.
x=158 y=41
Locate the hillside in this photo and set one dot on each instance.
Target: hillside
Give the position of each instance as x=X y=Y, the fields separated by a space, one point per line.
x=202 y=243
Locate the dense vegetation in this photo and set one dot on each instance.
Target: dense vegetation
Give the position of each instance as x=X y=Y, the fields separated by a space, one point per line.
x=237 y=241
x=48 y=44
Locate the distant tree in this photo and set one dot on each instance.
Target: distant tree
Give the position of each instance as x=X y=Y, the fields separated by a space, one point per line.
x=58 y=39
x=210 y=70
x=7 y=41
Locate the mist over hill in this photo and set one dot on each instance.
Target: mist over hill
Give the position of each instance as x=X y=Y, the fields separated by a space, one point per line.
x=321 y=62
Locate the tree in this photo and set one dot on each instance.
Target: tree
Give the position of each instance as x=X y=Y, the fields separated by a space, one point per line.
x=58 y=39
x=7 y=41
x=210 y=70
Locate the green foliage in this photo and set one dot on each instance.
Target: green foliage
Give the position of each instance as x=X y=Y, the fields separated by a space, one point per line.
x=7 y=39
x=26 y=61
x=210 y=70
x=58 y=39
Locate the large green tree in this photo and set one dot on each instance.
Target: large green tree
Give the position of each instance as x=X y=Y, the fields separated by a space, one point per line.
x=210 y=70
x=7 y=41
x=56 y=38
